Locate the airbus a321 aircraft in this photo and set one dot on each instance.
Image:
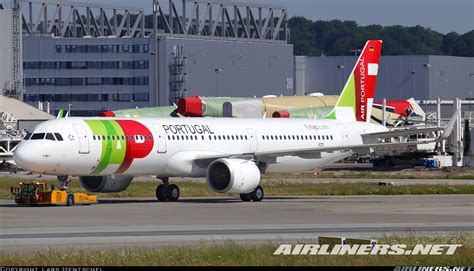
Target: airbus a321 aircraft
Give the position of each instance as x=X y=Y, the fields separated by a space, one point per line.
x=107 y=153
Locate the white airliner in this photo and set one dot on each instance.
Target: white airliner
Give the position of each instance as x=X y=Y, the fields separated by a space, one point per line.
x=106 y=153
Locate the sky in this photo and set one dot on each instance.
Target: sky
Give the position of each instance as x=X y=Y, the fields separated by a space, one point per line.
x=441 y=15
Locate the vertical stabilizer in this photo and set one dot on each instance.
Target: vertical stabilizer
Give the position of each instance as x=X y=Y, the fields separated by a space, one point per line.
x=356 y=99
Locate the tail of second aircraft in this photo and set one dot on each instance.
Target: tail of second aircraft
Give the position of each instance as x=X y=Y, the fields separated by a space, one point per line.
x=355 y=102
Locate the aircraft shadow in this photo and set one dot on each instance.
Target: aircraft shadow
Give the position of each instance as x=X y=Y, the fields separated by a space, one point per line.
x=201 y=200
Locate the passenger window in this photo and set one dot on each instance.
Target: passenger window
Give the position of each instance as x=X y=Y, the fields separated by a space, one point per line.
x=93 y=137
x=38 y=136
x=58 y=136
x=49 y=136
x=123 y=137
x=103 y=137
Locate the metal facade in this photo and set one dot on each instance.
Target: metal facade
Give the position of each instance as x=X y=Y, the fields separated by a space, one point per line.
x=228 y=68
x=6 y=58
x=400 y=77
x=80 y=66
x=245 y=69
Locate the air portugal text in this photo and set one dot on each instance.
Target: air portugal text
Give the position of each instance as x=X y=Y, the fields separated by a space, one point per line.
x=185 y=129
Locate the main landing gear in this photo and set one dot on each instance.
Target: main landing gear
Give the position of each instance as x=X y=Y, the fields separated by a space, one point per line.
x=256 y=195
x=166 y=191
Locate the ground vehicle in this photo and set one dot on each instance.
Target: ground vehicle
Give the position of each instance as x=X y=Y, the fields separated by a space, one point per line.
x=37 y=193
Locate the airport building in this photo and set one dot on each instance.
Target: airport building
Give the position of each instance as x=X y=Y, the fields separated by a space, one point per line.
x=95 y=58
x=400 y=77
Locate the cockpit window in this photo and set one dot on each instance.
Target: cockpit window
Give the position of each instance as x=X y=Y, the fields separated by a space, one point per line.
x=37 y=136
x=27 y=136
x=58 y=136
x=49 y=136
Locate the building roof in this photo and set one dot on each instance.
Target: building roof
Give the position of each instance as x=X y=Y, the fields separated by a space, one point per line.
x=22 y=111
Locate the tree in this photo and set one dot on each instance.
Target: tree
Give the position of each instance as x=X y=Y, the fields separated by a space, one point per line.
x=337 y=37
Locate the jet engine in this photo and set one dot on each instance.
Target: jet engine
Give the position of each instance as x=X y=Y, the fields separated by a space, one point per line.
x=105 y=184
x=233 y=176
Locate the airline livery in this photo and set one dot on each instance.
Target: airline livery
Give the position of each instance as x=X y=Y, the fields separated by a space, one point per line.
x=106 y=153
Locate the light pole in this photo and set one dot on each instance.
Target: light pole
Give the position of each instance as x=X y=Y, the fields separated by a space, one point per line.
x=341 y=69
x=427 y=67
x=218 y=71
x=356 y=51
x=471 y=75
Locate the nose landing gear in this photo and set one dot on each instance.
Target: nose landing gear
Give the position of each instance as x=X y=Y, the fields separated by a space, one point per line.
x=64 y=180
x=166 y=191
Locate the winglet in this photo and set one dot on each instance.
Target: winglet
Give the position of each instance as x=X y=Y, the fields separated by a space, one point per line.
x=449 y=128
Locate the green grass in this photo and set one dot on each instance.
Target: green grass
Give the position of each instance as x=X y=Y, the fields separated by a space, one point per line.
x=423 y=175
x=232 y=254
x=200 y=189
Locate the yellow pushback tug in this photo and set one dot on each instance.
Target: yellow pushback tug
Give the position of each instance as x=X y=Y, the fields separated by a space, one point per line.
x=36 y=193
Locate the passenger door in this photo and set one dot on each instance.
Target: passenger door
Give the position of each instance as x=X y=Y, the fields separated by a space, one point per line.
x=84 y=147
x=344 y=134
x=252 y=140
x=161 y=138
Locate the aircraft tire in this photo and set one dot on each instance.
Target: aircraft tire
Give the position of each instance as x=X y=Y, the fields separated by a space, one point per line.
x=173 y=192
x=245 y=197
x=70 y=200
x=258 y=194
x=161 y=192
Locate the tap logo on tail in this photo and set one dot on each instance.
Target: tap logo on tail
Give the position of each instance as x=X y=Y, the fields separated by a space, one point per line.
x=358 y=94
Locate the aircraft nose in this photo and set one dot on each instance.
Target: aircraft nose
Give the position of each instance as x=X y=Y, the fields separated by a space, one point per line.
x=22 y=158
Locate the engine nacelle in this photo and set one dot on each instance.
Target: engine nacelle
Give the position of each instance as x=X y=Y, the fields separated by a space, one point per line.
x=233 y=176
x=105 y=184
